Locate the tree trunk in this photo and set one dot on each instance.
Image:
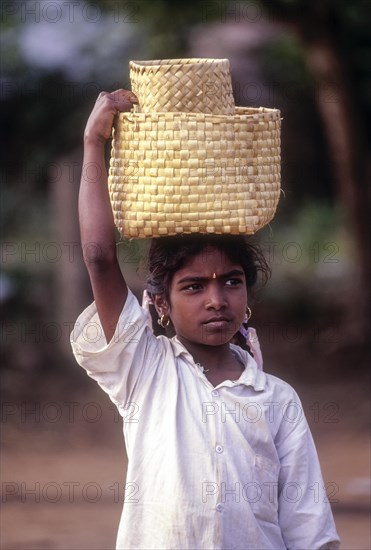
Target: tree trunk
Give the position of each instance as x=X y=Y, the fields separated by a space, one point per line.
x=349 y=161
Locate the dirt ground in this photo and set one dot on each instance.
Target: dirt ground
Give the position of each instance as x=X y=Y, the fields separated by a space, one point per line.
x=63 y=466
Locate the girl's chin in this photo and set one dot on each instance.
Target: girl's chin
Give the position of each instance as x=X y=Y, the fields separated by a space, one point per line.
x=209 y=339
x=218 y=332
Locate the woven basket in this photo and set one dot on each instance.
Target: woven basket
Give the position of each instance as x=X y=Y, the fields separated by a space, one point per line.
x=187 y=85
x=175 y=173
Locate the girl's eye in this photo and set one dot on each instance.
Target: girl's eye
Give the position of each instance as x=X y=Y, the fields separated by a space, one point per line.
x=194 y=286
x=233 y=282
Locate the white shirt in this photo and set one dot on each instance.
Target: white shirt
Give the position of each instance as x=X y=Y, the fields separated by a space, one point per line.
x=230 y=467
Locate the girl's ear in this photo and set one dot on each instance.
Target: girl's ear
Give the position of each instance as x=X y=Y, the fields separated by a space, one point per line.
x=161 y=305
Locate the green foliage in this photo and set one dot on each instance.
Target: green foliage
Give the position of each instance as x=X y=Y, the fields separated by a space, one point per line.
x=347 y=26
x=167 y=22
x=283 y=60
x=310 y=254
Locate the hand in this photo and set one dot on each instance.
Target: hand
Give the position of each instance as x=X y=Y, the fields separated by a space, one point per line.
x=99 y=125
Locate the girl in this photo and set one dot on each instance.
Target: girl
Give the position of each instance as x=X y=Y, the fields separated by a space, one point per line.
x=219 y=453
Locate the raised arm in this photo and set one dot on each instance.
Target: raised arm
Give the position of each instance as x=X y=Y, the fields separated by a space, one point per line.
x=95 y=213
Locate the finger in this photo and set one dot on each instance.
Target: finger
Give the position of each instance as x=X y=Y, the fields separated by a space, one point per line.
x=123 y=100
x=122 y=105
x=117 y=98
x=125 y=94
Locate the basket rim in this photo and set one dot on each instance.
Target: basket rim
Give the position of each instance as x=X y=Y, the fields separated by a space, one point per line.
x=176 y=62
x=241 y=114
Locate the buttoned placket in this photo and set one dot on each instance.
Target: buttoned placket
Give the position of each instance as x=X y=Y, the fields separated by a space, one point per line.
x=220 y=450
x=219 y=455
x=216 y=397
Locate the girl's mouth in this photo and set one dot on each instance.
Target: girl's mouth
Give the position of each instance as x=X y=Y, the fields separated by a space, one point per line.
x=217 y=323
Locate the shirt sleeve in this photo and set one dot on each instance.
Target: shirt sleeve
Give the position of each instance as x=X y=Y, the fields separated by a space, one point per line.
x=129 y=362
x=305 y=514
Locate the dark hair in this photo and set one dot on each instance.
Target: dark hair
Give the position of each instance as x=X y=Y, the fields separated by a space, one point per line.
x=169 y=254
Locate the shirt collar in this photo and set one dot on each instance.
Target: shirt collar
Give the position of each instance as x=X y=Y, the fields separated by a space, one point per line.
x=251 y=376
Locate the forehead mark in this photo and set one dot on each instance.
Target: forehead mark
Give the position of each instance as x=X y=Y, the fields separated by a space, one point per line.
x=201 y=279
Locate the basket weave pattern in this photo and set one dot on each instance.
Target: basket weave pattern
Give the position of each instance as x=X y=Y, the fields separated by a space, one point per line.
x=187 y=85
x=175 y=173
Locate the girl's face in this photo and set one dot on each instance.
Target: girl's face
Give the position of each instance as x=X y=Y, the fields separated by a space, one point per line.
x=208 y=299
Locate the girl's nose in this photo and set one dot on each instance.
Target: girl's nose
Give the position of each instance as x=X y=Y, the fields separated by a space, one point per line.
x=215 y=297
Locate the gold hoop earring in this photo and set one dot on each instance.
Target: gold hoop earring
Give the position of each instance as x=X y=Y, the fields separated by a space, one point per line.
x=248 y=314
x=164 y=321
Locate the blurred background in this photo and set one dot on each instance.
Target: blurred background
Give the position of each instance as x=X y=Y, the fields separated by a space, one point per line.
x=63 y=458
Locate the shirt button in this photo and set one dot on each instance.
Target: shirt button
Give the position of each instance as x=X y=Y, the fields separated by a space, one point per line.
x=215 y=393
x=219 y=448
x=219 y=507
